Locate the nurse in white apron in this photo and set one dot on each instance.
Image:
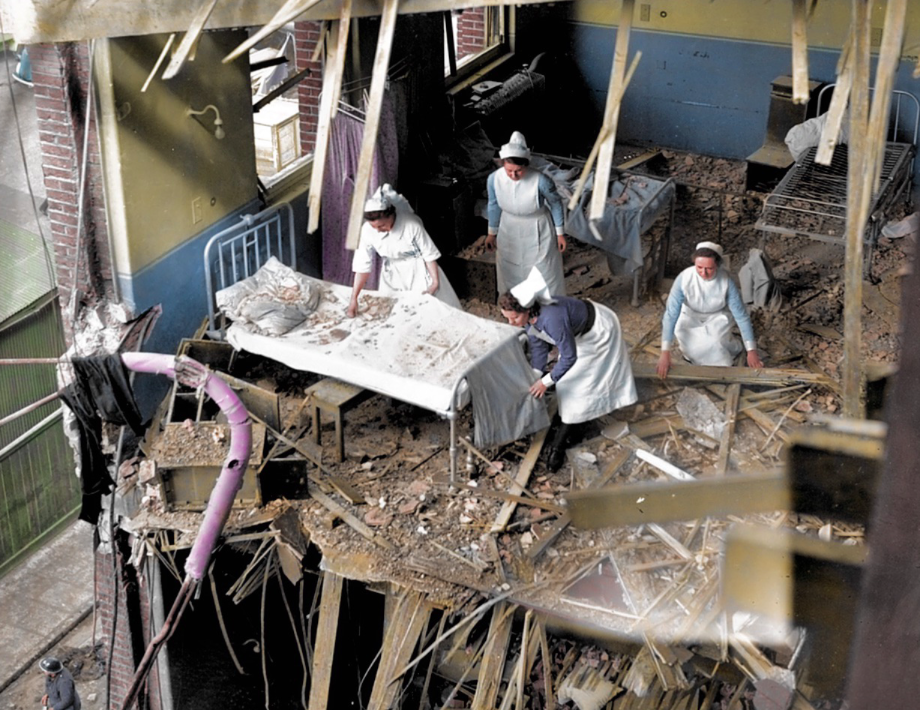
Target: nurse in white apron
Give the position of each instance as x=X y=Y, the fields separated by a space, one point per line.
x=592 y=376
x=526 y=220
x=702 y=303
x=410 y=257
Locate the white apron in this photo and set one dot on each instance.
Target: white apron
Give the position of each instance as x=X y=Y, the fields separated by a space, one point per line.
x=526 y=234
x=704 y=327
x=601 y=379
x=403 y=253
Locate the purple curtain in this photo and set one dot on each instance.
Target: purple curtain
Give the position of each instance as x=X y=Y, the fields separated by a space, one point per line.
x=339 y=184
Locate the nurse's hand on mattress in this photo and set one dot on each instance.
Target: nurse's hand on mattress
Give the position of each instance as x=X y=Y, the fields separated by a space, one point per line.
x=754 y=360
x=538 y=389
x=490 y=242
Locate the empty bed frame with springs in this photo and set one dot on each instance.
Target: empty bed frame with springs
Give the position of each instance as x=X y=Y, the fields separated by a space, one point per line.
x=811 y=199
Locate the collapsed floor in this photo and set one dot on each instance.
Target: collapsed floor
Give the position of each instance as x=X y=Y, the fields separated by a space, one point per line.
x=536 y=610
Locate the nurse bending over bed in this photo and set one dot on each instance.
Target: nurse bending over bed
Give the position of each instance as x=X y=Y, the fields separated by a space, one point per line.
x=699 y=312
x=410 y=257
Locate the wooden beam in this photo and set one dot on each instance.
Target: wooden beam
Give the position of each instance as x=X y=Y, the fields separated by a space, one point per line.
x=612 y=112
x=493 y=658
x=332 y=83
x=800 y=92
x=770 y=376
x=835 y=113
x=190 y=39
x=759 y=567
x=326 y=630
x=39 y=21
x=372 y=121
x=291 y=10
x=404 y=626
x=660 y=502
x=728 y=433
x=859 y=195
x=358 y=525
x=889 y=58
x=520 y=480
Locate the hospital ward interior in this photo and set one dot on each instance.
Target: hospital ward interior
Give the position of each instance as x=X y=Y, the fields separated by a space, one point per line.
x=466 y=354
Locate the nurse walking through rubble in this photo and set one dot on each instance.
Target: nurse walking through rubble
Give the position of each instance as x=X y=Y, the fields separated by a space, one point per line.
x=526 y=220
x=592 y=376
x=410 y=257
x=700 y=306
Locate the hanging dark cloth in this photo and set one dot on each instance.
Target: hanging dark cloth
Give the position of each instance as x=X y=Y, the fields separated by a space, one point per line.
x=100 y=387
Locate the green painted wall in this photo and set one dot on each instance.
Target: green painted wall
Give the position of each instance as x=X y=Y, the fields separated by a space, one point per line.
x=168 y=177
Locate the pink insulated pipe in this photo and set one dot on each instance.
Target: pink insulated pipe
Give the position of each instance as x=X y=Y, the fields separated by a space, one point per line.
x=193 y=374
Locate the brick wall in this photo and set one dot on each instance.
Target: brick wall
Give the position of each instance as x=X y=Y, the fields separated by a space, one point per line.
x=306 y=37
x=61 y=76
x=471 y=31
x=117 y=587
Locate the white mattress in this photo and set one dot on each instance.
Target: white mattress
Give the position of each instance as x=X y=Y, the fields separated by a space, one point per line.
x=412 y=347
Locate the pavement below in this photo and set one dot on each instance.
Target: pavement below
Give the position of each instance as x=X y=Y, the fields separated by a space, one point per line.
x=44 y=599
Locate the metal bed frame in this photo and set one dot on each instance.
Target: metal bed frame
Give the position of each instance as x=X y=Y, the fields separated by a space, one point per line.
x=811 y=199
x=239 y=251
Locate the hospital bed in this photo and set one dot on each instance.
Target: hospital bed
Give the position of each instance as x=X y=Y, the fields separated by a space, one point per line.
x=811 y=199
x=412 y=348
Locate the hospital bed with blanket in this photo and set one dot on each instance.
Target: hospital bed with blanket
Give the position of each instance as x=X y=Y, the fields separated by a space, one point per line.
x=413 y=347
x=811 y=199
x=635 y=203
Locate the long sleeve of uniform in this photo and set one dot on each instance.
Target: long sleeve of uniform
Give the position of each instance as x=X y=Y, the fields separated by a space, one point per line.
x=672 y=312
x=493 y=211
x=560 y=322
x=551 y=199
x=539 y=350
x=363 y=259
x=741 y=315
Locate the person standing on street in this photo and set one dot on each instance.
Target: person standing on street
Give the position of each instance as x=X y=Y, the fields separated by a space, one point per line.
x=60 y=690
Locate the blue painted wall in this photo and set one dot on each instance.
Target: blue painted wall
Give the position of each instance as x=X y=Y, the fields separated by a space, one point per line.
x=702 y=94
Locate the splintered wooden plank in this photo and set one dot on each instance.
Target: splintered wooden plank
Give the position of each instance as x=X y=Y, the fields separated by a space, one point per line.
x=324 y=650
x=372 y=121
x=831 y=130
x=859 y=196
x=520 y=480
x=728 y=433
x=493 y=658
x=407 y=619
x=332 y=82
x=191 y=37
x=889 y=58
x=612 y=112
x=800 y=93
x=289 y=11
x=773 y=376
x=349 y=519
x=660 y=502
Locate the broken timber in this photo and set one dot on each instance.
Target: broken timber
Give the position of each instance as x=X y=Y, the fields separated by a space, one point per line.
x=407 y=618
x=772 y=376
x=321 y=675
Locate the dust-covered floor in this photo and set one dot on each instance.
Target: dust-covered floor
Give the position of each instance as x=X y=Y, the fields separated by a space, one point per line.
x=454 y=544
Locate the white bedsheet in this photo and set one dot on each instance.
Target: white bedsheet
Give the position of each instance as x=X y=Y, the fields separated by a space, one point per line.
x=411 y=347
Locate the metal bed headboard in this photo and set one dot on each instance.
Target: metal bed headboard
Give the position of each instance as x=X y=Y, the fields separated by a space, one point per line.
x=903 y=102
x=239 y=251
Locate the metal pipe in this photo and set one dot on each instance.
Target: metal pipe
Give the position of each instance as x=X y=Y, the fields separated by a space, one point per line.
x=193 y=374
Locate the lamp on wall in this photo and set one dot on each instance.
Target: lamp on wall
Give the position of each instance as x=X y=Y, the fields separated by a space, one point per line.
x=218 y=122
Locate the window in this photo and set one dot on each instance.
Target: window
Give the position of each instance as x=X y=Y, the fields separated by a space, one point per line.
x=477 y=35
